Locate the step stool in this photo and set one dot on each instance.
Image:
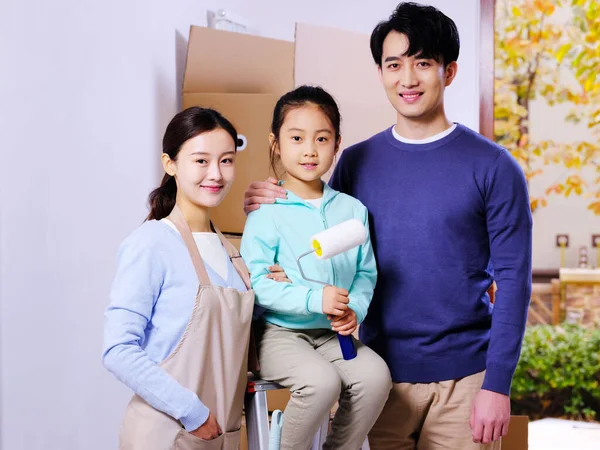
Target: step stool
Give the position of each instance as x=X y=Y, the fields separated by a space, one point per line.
x=257 y=417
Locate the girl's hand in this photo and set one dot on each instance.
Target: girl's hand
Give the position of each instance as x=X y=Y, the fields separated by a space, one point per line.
x=209 y=430
x=335 y=301
x=278 y=274
x=346 y=324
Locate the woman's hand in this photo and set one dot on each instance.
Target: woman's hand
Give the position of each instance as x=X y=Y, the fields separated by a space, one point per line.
x=276 y=273
x=209 y=430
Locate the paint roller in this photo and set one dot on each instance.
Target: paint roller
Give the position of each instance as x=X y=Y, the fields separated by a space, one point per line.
x=329 y=243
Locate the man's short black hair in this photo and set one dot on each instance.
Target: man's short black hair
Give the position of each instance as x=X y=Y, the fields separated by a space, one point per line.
x=431 y=34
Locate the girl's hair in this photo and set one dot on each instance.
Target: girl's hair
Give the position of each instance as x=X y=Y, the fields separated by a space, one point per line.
x=298 y=98
x=186 y=125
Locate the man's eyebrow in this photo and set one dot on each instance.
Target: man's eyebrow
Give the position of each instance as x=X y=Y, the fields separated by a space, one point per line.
x=418 y=55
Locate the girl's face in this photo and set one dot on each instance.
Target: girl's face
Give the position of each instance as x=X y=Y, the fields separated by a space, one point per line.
x=307 y=143
x=204 y=169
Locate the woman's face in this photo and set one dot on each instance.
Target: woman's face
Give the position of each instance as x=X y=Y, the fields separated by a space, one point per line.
x=204 y=169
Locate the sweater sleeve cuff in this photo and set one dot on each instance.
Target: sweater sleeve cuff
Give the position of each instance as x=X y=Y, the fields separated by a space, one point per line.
x=354 y=307
x=315 y=301
x=498 y=379
x=195 y=417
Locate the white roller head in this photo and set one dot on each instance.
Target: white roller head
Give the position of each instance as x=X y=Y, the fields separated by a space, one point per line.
x=339 y=238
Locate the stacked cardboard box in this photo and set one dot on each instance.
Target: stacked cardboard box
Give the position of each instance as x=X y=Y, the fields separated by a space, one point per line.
x=243 y=76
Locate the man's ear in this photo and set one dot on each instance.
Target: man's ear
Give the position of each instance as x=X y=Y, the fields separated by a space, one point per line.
x=451 y=70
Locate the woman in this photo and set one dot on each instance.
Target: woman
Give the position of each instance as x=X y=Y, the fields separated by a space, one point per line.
x=178 y=324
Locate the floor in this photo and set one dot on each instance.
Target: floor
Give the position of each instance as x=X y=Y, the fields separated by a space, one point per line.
x=557 y=434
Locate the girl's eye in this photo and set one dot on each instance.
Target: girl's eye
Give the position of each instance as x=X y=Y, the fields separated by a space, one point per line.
x=322 y=139
x=227 y=161
x=202 y=161
x=296 y=138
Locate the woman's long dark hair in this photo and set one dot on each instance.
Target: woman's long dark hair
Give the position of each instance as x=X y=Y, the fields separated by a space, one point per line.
x=186 y=125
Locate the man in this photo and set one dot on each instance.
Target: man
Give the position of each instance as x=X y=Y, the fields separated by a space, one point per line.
x=449 y=215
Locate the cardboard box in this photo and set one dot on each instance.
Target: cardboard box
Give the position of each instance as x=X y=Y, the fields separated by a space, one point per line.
x=518 y=434
x=225 y=62
x=242 y=76
x=278 y=399
x=251 y=116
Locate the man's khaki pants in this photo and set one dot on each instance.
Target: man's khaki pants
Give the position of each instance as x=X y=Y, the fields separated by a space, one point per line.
x=429 y=416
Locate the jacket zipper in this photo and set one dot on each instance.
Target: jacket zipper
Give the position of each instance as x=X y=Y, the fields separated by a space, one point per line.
x=324 y=219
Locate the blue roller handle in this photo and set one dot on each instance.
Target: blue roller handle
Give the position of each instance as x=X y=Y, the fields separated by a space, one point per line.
x=347 y=346
x=346 y=342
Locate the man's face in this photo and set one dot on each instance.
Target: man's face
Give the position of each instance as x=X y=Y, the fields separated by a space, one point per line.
x=414 y=85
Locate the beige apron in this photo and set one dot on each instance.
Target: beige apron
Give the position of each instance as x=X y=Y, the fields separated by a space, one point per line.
x=211 y=359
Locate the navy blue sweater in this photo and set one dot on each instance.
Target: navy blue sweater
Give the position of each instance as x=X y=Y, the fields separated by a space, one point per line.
x=447 y=218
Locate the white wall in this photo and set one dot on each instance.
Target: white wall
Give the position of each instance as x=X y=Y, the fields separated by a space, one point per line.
x=86 y=89
x=562 y=215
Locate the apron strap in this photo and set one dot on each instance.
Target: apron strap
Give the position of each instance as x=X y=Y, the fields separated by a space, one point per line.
x=181 y=224
x=236 y=258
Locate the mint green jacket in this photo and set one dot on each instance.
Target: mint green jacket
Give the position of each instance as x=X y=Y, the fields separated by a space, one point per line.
x=279 y=233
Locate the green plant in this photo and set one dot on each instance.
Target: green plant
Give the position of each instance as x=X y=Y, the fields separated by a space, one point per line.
x=559 y=373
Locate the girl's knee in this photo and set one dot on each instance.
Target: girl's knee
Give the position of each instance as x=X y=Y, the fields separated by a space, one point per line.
x=377 y=382
x=324 y=385
x=328 y=386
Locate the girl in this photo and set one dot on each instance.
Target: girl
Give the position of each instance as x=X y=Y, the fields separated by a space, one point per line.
x=178 y=323
x=299 y=348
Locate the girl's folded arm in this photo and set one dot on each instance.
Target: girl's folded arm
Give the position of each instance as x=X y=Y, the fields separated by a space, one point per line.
x=259 y=249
